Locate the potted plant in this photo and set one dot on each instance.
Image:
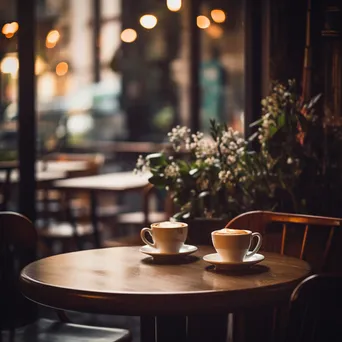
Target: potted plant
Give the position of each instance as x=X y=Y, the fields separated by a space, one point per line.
x=213 y=178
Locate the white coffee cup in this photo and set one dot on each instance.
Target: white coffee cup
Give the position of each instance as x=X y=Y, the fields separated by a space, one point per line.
x=233 y=245
x=168 y=237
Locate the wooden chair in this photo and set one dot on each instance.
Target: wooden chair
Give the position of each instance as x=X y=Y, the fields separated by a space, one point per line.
x=292 y=237
x=315 y=310
x=19 y=316
x=140 y=219
x=70 y=213
x=303 y=236
x=5 y=189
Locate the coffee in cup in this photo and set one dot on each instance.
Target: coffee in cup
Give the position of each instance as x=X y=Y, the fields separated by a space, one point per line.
x=167 y=237
x=233 y=245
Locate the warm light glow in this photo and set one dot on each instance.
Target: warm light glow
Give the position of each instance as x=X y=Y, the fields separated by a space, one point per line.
x=214 y=31
x=10 y=29
x=52 y=38
x=203 y=22
x=128 y=35
x=218 y=15
x=39 y=65
x=148 y=21
x=174 y=5
x=62 y=68
x=10 y=65
x=14 y=26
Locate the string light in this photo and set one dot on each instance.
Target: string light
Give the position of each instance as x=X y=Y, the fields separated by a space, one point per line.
x=62 y=68
x=52 y=39
x=128 y=35
x=203 y=22
x=174 y=5
x=148 y=21
x=218 y=15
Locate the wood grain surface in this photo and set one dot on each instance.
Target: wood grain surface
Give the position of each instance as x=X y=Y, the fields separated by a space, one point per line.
x=121 y=280
x=116 y=181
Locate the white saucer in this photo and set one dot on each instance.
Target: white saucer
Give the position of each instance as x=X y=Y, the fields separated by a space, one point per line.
x=156 y=254
x=216 y=260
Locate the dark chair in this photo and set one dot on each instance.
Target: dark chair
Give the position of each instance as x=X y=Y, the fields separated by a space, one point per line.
x=305 y=237
x=139 y=219
x=19 y=316
x=316 y=310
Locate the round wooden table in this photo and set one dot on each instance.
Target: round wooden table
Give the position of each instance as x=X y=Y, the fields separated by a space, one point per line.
x=123 y=281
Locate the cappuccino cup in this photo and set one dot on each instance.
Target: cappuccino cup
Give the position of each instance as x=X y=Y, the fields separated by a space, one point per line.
x=167 y=237
x=232 y=245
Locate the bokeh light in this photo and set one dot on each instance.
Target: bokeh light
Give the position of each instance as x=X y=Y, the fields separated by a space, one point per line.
x=10 y=65
x=52 y=39
x=10 y=29
x=128 y=35
x=214 y=31
x=62 y=68
x=203 y=22
x=218 y=15
x=174 y=5
x=148 y=21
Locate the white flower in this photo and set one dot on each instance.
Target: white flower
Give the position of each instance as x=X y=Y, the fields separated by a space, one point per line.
x=211 y=161
x=224 y=176
x=232 y=145
x=240 y=151
x=289 y=160
x=172 y=170
x=231 y=160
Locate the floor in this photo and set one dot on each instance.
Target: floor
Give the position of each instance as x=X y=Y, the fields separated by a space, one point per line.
x=124 y=322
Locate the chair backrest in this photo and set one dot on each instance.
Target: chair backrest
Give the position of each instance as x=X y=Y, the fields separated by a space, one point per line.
x=94 y=162
x=316 y=310
x=6 y=189
x=148 y=191
x=290 y=234
x=18 y=241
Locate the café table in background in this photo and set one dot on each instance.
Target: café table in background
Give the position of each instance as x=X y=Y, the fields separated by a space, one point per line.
x=173 y=300
x=116 y=183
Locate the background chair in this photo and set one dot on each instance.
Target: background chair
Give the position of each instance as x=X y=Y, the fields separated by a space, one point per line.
x=19 y=317
x=303 y=236
x=316 y=310
x=67 y=215
x=139 y=219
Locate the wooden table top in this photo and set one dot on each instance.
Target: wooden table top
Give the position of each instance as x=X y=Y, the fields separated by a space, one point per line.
x=41 y=176
x=62 y=165
x=123 y=281
x=116 y=181
x=54 y=170
x=7 y=165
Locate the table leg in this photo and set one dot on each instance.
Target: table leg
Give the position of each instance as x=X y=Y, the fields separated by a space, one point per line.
x=203 y=328
x=147 y=329
x=171 y=328
x=93 y=213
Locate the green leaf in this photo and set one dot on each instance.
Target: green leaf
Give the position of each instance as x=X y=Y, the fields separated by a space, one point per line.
x=156 y=159
x=157 y=180
x=272 y=130
x=256 y=123
x=194 y=173
x=204 y=194
x=253 y=136
x=281 y=120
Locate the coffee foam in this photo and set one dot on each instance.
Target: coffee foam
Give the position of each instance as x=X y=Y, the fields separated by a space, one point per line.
x=228 y=231
x=169 y=224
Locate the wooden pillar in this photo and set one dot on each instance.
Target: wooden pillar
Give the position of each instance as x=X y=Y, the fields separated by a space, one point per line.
x=27 y=118
x=253 y=61
x=194 y=64
x=96 y=40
